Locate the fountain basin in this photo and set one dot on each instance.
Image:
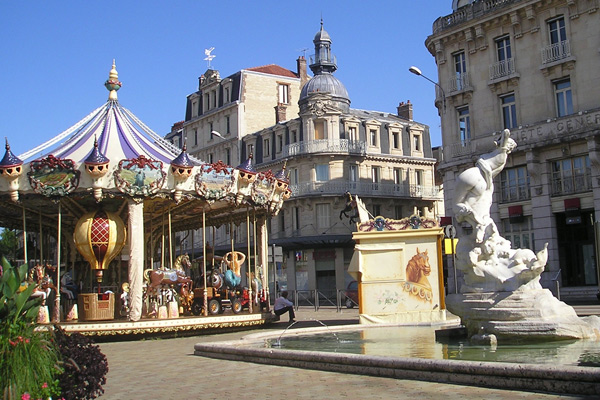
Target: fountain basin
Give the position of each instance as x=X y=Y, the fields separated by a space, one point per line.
x=529 y=377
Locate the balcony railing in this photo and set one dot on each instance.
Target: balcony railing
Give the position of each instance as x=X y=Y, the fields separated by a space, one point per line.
x=502 y=68
x=459 y=82
x=556 y=51
x=344 y=146
x=364 y=189
x=466 y=13
x=574 y=184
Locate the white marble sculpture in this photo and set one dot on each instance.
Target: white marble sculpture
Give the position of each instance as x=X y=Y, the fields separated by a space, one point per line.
x=485 y=257
x=502 y=294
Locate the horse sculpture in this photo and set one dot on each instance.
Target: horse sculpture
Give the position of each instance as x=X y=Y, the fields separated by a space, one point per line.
x=360 y=211
x=156 y=278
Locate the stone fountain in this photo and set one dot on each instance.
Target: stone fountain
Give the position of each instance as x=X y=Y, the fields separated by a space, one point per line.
x=502 y=295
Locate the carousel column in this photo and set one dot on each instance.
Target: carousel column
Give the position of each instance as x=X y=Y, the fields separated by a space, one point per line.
x=263 y=253
x=135 y=232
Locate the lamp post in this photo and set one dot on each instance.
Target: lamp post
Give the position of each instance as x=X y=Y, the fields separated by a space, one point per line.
x=418 y=72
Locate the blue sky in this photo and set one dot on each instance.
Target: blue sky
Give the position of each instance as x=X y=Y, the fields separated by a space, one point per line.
x=57 y=54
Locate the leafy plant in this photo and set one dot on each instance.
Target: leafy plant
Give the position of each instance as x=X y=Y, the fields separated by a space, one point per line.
x=85 y=366
x=15 y=299
x=30 y=359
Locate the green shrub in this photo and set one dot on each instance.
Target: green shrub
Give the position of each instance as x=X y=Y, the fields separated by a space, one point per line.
x=30 y=360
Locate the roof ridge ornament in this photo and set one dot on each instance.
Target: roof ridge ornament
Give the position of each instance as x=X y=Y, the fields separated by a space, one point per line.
x=112 y=83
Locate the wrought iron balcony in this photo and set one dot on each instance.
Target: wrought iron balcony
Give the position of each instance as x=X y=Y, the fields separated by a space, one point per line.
x=339 y=187
x=459 y=82
x=343 y=146
x=556 y=52
x=502 y=68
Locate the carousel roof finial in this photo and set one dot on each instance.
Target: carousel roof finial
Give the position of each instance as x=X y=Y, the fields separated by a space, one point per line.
x=96 y=157
x=112 y=83
x=247 y=165
x=281 y=175
x=9 y=160
x=183 y=160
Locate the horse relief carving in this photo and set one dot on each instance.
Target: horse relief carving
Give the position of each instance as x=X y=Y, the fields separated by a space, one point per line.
x=417 y=271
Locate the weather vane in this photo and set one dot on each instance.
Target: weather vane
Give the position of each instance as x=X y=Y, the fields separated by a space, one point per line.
x=209 y=56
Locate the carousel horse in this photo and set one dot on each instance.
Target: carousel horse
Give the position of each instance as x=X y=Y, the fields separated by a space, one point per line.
x=418 y=269
x=256 y=285
x=186 y=298
x=234 y=261
x=156 y=278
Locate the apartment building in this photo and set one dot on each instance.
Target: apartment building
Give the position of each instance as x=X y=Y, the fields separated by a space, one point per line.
x=530 y=66
x=330 y=149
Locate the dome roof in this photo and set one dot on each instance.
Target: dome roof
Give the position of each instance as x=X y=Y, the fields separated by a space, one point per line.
x=325 y=83
x=322 y=35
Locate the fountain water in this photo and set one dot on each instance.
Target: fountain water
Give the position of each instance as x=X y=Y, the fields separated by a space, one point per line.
x=277 y=343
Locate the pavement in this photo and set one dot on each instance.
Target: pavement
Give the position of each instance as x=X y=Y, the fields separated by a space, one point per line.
x=168 y=369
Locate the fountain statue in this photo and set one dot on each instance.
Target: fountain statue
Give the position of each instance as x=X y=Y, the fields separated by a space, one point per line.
x=502 y=294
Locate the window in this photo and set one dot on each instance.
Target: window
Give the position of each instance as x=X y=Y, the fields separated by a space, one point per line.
x=210 y=158
x=503 y=48
x=250 y=149
x=514 y=184
x=214 y=98
x=419 y=177
x=397 y=176
x=519 y=234
x=282 y=222
x=417 y=142
x=398 y=212
x=319 y=130
x=373 y=137
x=323 y=216
x=464 y=125
x=353 y=133
x=228 y=156
x=284 y=90
x=195 y=137
x=322 y=172
x=375 y=177
x=396 y=140
x=207 y=101
x=353 y=175
x=556 y=28
x=227 y=125
x=571 y=175
x=460 y=69
x=296 y=218
x=293 y=176
x=227 y=96
x=376 y=209
x=294 y=136
x=266 y=147
x=564 y=101
x=509 y=111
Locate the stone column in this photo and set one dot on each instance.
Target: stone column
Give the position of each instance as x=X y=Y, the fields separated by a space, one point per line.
x=135 y=233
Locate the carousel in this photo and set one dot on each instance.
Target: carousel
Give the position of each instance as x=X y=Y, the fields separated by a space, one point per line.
x=104 y=201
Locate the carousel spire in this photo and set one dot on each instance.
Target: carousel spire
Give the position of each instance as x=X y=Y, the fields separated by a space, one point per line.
x=112 y=83
x=11 y=169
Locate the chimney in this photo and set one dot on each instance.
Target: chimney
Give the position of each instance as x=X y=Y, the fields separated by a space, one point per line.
x=405 y=110
x=301 y=64
x=280 y=113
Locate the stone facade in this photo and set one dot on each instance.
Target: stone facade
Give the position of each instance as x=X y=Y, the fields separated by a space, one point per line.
x=529 y=66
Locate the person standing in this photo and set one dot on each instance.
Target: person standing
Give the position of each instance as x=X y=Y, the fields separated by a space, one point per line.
x=283 y=305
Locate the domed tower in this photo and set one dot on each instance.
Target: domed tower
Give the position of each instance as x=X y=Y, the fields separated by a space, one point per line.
x=323 y=64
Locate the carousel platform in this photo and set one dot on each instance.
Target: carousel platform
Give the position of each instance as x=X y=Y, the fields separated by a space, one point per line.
x=148 y=327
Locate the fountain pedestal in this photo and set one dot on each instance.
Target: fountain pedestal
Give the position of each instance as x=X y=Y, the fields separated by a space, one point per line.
x=533 y=314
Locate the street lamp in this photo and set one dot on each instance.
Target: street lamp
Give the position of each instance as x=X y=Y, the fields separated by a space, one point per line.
x=418 y=72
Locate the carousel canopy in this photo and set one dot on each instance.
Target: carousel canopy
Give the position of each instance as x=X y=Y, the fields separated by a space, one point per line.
x=119 y=133
x=109 y=158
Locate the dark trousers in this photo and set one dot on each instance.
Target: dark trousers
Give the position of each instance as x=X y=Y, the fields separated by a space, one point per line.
x=282 y=311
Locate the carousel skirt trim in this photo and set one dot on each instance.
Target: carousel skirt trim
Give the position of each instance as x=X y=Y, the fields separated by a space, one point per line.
x=154 y=326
